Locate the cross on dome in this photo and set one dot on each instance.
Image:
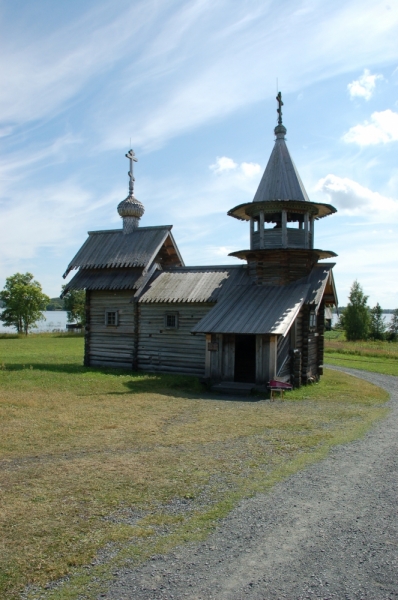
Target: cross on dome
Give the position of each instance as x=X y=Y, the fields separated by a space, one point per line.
x=132 y=158
x=130 y=209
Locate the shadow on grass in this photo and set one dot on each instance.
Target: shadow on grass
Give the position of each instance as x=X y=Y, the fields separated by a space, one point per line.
x=135 y=381
x=22 y=336
x=138 y=382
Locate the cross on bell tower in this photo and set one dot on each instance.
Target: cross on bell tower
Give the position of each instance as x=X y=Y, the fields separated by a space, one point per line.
x=279 y=109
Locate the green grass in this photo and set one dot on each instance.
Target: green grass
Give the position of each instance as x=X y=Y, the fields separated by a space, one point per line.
x=83 y=450
x=373 y=356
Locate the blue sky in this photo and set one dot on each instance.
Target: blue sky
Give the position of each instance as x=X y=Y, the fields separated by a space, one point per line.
x=193 y=85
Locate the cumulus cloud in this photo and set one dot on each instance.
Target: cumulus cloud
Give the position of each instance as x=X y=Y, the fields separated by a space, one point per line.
x=382 y=128
x=224 y=164
x=364 y=86
x=352 y=198
x=250 y=169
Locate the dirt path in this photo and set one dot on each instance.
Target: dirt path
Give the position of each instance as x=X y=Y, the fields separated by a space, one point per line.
x=330 y=531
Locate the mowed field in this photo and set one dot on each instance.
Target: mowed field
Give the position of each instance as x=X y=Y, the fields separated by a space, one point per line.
x=375 y=356
x=100 y=468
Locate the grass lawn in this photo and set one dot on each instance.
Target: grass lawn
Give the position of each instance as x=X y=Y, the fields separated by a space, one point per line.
x=378 y=357
x=100 y=468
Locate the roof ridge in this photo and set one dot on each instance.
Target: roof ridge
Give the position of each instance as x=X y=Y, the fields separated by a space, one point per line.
x=98 y=231
x=204 y=268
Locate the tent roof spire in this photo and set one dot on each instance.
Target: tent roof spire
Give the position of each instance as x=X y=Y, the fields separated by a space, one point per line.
x=281 y=180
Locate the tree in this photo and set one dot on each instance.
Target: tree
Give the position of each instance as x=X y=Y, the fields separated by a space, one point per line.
x=356 y=315
x=74 y=304
x=24 y=302
x=393 y=327
x=377 y=326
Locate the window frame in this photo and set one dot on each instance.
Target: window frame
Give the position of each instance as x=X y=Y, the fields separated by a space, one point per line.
x=171 y=314
x=312 y=322
x=111 y=311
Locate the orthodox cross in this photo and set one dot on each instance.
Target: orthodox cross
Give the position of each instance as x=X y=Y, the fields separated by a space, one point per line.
x=279 y=109
x=131 y=156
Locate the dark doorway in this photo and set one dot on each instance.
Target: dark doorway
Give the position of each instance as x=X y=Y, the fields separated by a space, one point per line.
x=245 y=358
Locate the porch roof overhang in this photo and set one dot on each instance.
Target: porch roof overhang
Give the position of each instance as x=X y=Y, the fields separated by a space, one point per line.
x=255 y=310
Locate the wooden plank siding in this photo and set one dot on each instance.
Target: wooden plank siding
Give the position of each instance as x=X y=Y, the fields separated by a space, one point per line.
x=321 y=337
x=171 y=350
x=111 y=346
x=284 y=357
x=309 y=348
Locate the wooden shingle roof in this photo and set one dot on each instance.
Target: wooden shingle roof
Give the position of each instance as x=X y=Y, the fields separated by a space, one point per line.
x=194 y=284
x=281 y=180
x=113 y=249
x=264 y=309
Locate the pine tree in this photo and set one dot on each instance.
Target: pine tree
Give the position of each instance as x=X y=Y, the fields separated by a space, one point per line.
x=356 y=315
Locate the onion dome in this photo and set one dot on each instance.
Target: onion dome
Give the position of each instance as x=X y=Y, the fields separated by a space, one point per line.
x=130 y=209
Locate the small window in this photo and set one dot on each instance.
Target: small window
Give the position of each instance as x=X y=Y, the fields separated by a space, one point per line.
x=312 y=320
x=111 y=318
x=171 y=320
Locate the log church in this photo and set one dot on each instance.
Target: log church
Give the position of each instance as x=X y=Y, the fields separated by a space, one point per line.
x=252 y=322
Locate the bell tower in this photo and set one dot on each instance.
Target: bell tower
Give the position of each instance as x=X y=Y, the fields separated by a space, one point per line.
x=282 y=219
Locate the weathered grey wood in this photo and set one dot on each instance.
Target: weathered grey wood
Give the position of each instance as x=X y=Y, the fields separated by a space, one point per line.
x=176 y=349
x=228 y=357
x=87 y=308
x=284 y=229
x=111 y=345
x=261 y=226
x=306 y=232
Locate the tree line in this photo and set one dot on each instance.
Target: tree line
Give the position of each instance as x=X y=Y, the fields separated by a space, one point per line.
x=23 y=302
x=360 y=322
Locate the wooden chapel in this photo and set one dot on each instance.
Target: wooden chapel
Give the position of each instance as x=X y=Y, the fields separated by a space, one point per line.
x=261 y=320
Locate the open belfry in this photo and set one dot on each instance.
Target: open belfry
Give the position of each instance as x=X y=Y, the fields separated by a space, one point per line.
x=234 y=325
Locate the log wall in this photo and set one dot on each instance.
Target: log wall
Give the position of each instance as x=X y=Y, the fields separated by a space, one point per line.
x=171 y=350
x=111 y=346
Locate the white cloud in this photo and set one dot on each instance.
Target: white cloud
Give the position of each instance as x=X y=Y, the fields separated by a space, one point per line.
x=351 y=198
x=222 y=164
x=250 y=169
x=177 y=89
x=364 y=86
x=382 y=128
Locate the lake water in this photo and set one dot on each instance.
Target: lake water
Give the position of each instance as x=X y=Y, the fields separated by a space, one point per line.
x=57 y=319
x=54 y=319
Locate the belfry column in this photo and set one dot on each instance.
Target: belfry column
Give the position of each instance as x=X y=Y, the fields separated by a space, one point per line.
x=284 y=229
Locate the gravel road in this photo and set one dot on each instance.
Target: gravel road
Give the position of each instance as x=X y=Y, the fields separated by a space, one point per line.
x=329 y=531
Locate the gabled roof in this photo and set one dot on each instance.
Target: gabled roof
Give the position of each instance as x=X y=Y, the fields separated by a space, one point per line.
x=113 y=249
x=281 y=180
x=322 y=285
x=193 y=284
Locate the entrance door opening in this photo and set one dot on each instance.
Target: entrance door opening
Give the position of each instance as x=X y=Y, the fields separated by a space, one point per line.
x=245 y=358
